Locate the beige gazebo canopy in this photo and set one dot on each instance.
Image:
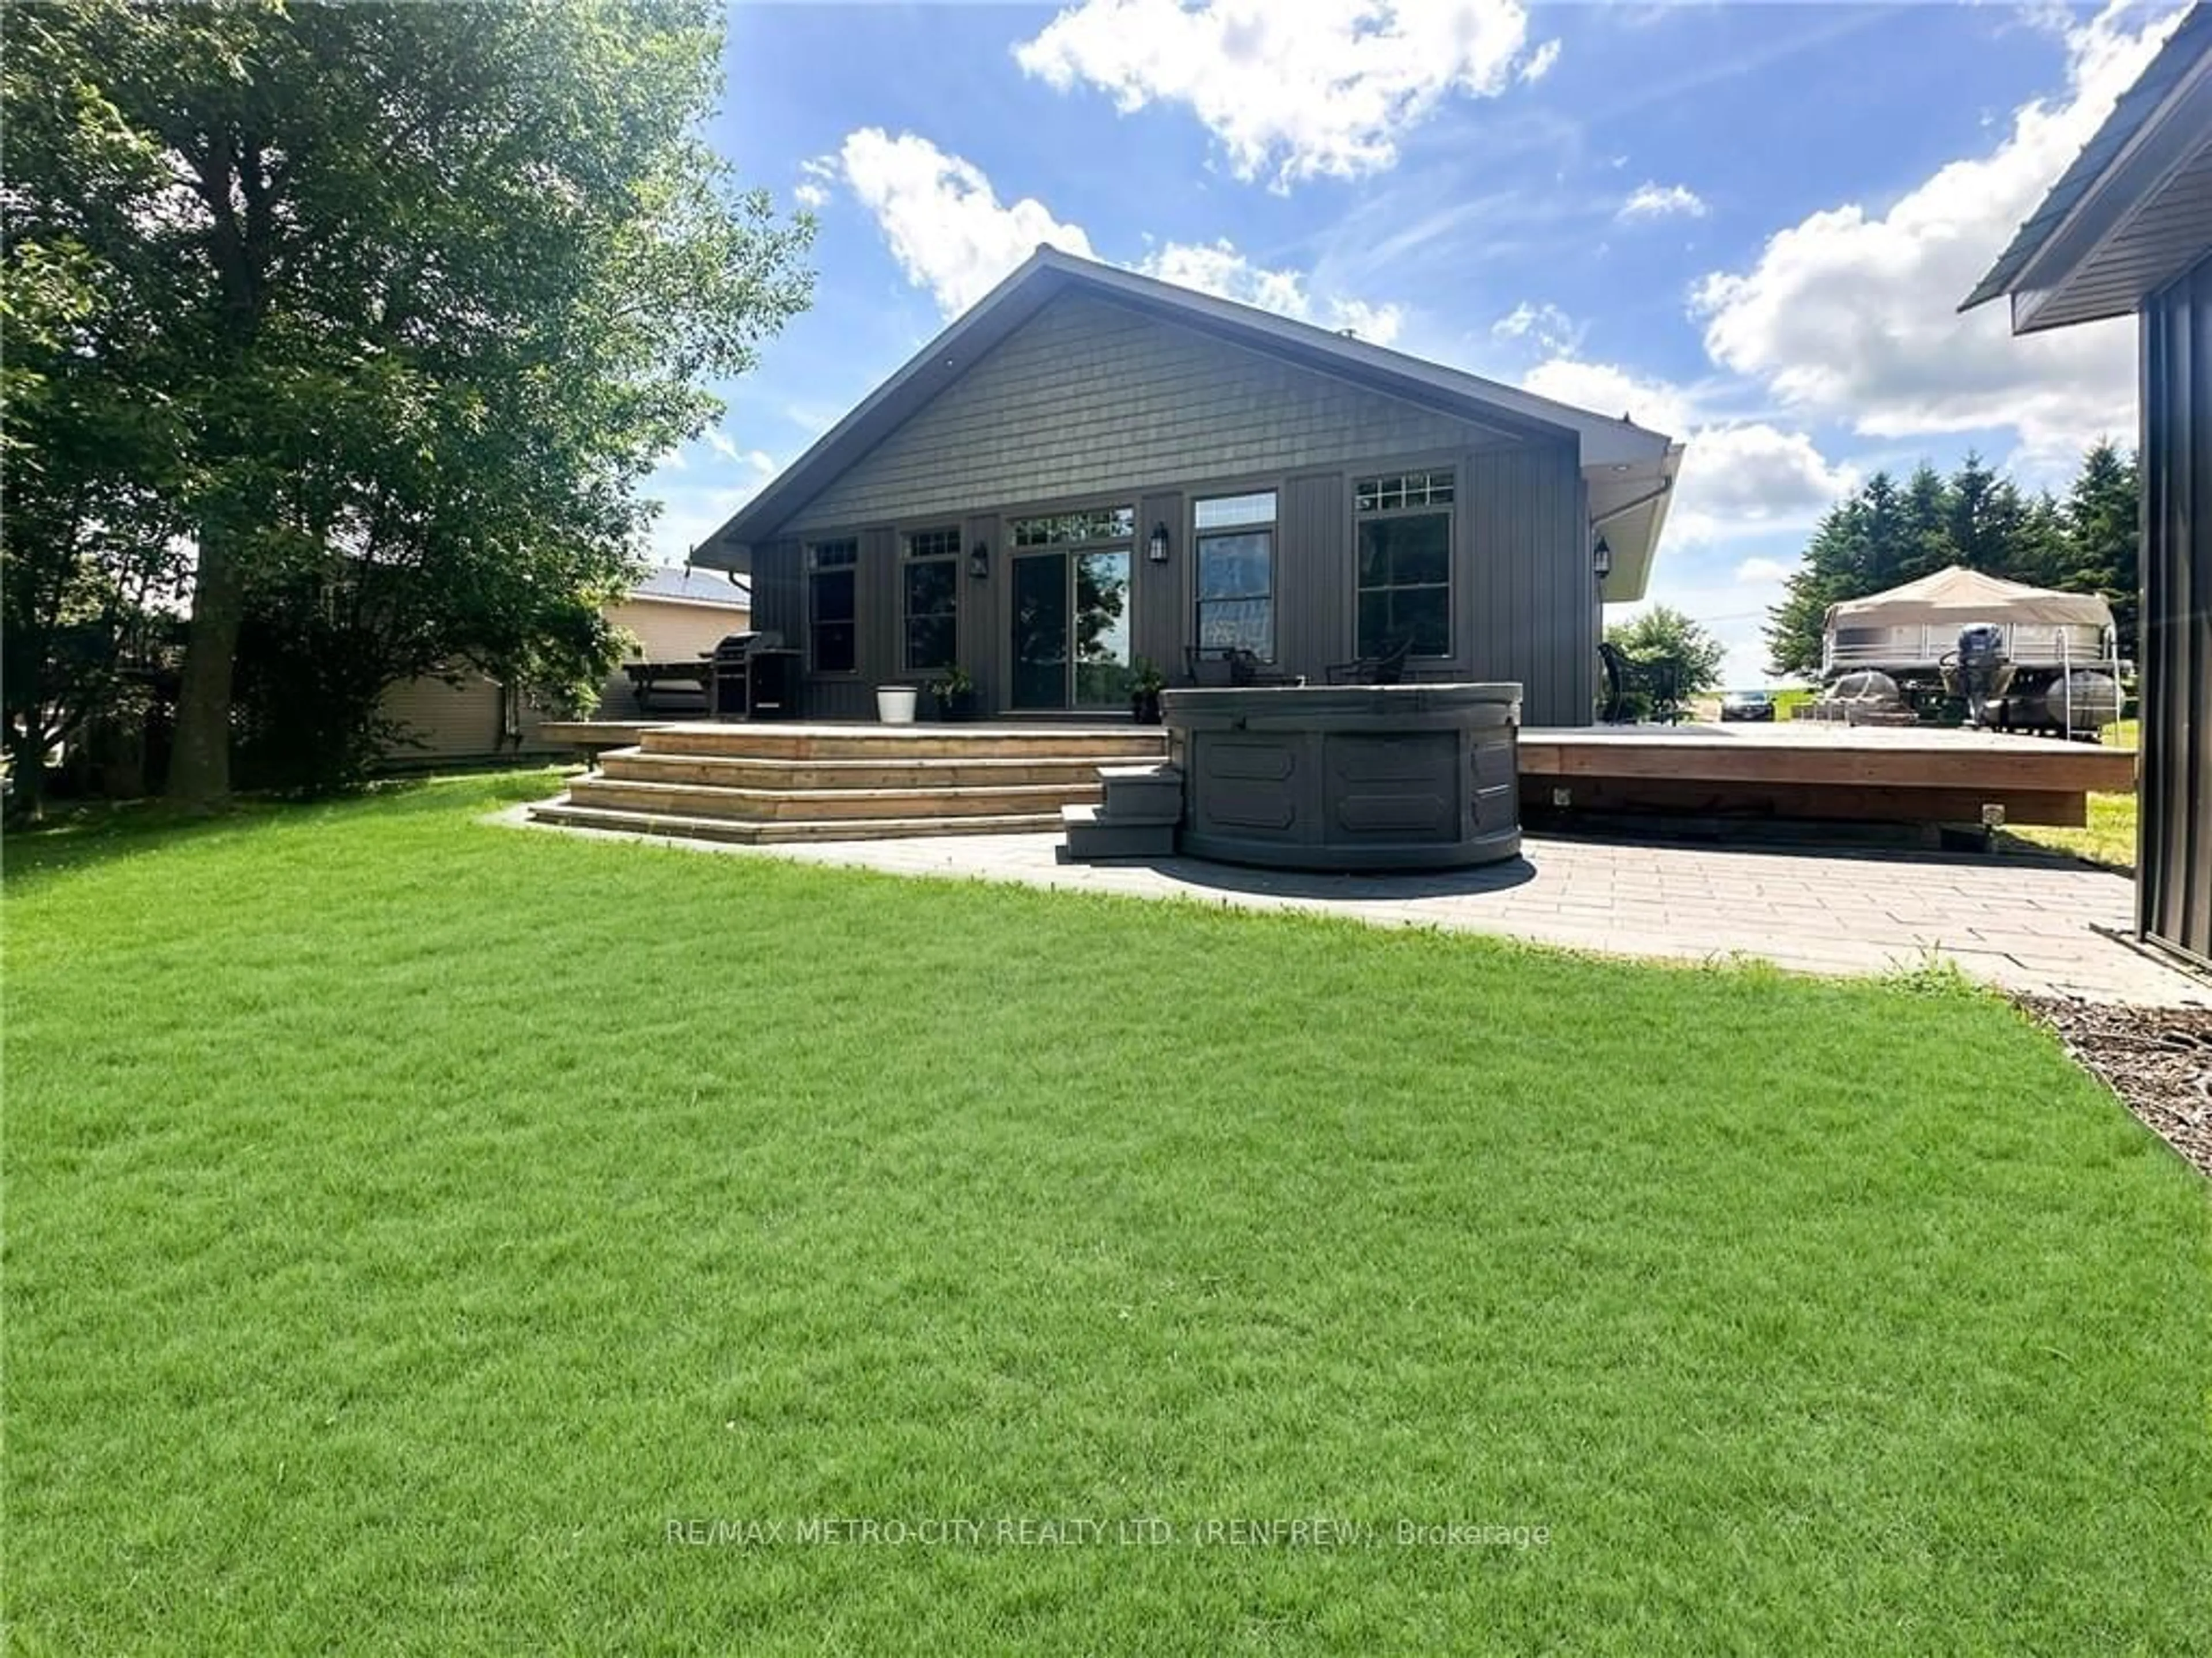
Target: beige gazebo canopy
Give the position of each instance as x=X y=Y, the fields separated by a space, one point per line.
x=1957 y=595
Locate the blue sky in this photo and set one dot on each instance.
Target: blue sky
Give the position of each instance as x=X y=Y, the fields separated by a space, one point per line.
x=1746 y=225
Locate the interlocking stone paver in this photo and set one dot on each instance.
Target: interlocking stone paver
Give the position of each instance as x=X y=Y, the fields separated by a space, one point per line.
x=2025 y=923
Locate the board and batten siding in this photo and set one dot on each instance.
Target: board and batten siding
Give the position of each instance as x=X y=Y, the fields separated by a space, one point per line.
x=1089 y=397
x=1530 y=605
x=1091 y=401
x=1524 y=599
x=2174 y=884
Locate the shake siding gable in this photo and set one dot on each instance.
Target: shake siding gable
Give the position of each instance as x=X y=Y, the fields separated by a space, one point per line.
x=1090 y=396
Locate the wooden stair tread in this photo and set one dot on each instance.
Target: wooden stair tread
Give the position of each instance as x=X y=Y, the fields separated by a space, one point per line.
x=763 y=831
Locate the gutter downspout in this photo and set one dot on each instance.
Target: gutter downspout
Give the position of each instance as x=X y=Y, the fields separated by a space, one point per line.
x=1628 y=507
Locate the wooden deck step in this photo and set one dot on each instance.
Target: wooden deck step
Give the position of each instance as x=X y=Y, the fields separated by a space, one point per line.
x=804 y=805
x=574 y=815
x=763 y=772
x=890 y=744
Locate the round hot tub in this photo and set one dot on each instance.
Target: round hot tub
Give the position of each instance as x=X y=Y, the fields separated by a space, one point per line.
x=1348 y=777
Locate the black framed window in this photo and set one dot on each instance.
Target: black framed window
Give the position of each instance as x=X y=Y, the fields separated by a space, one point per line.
x=833 y=605
x=1235 y=535
x=1403 y=522
x=929 y=582
x=1073 y=529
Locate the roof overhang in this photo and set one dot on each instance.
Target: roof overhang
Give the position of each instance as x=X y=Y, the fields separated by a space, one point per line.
x=1629 y=470
x=2135 y=209
x=1628 y=503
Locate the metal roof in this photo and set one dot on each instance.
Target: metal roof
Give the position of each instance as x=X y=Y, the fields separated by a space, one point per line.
x=2135 y=208
x=1632 y=469
x=690 y=586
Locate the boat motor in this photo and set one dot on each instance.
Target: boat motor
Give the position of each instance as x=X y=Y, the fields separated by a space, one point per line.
x=1978 y=672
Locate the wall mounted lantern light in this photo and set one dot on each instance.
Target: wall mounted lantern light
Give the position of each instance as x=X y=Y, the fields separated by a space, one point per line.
x=979 y=562
x=1157 y=548
x=1601 y=559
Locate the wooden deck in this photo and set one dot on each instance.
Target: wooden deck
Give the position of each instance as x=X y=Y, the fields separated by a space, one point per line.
x=771 y=781
x=1804 y=771
x=1792 y=771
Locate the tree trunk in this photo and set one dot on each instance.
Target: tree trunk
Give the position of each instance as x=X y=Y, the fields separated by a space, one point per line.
x=27 y=769
x=199 y=758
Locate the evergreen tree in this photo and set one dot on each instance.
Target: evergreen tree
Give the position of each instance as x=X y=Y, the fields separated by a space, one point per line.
x=2102 y=536
x=1883 y=537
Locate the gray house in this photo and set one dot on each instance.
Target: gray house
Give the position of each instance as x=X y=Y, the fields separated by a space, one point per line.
x=1091 y=467
x=2127 y=227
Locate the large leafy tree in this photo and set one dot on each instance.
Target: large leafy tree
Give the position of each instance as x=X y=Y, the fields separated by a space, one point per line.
x=428 y=286
x=1681 y=651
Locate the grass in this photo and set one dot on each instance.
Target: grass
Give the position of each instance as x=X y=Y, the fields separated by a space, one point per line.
x=2109 y=837
x=408 y=1221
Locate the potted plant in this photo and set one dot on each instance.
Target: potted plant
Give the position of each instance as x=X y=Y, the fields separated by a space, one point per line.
x=1146 y=681
x=955 y=691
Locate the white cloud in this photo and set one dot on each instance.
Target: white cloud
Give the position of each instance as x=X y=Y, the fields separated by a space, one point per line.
x=952 y=234
x=1218 y=268
x=1606 y=389
x=1541 y=61
x=1763 y=570
x=1739 y=476
x=1292 y=91
x=945 y=225
x=817 y=176
x=1743 y=477
x=690 y=511
x=1850 y=313
x=719 y=441
x=1656 y=201
x=1544 y=325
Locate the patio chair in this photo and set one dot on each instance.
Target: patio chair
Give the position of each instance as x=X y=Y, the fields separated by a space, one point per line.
x=1231 y=664
x=1636 y=692
x=1384 y=667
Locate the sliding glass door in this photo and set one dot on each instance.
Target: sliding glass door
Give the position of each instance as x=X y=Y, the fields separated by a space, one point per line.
x=1070 y=610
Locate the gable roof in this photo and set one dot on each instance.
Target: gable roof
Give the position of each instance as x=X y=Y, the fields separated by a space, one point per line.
x=2135 y=208
x=1629 y=470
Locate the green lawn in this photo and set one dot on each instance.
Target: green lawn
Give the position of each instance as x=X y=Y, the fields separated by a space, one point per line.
x=409 y=1222
x=2109 y=837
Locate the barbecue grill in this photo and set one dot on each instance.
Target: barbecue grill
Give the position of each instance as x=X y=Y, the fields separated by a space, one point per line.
x=755 y=678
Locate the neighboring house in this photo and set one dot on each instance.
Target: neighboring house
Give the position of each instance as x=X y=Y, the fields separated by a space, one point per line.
x=2128 y=228
x=674 y=615
x=1091 y=466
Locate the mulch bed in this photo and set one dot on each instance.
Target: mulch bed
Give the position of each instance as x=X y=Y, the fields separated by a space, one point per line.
x=2157 y=1059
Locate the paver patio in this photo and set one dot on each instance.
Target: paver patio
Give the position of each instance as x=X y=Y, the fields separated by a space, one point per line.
x=2047 y=925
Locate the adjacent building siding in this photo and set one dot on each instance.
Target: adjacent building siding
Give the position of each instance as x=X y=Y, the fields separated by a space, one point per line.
x=1089 y=396
x=451 y=724
x=2174 y=866
x=665 y=633
x=463 y=720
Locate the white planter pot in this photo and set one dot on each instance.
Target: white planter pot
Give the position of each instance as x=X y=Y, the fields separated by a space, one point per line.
x=894 y=704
